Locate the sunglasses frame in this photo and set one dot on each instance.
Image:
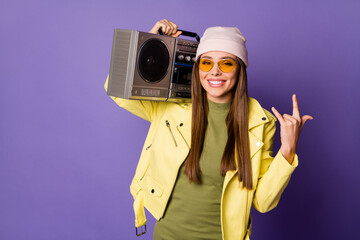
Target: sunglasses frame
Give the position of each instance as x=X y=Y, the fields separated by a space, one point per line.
x=235 y=61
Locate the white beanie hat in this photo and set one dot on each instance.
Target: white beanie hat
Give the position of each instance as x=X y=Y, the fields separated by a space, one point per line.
x=227 y=39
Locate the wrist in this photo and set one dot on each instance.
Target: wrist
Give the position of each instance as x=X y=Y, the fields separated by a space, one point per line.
x=288 y=153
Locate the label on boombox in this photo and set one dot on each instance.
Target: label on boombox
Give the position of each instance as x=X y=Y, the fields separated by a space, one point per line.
x=148 y=66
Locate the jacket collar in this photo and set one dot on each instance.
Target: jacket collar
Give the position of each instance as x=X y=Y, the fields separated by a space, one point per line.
x=256 y=113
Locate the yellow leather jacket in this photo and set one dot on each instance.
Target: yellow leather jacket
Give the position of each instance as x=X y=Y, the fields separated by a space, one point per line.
x=167 y=145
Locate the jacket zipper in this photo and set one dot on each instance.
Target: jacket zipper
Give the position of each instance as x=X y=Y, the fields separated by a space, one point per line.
x=172 y=135
x=177 y=127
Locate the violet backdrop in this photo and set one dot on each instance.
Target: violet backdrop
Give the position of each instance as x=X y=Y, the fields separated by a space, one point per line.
x=68 y=153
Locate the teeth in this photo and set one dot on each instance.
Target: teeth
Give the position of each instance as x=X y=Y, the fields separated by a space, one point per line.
x=215 y=82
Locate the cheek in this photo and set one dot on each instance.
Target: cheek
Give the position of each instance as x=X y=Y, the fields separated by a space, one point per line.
x=202 y=77
x=233 y=80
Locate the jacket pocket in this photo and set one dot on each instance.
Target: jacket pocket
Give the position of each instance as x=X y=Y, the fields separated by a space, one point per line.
x=151 y=187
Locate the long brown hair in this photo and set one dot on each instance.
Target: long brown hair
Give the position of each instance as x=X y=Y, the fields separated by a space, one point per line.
x=237 y=146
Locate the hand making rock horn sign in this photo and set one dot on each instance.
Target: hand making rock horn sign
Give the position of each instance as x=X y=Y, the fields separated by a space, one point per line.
x=290 y=128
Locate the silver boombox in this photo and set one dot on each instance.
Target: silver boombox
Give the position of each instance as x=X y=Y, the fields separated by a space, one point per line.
x=149 y=66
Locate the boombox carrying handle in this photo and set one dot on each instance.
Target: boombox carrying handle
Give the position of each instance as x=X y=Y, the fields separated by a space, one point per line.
x=185 y=33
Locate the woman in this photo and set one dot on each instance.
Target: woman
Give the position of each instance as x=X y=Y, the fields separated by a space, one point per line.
x=205 y=164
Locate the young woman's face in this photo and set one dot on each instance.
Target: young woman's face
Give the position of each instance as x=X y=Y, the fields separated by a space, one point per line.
x=217 y=84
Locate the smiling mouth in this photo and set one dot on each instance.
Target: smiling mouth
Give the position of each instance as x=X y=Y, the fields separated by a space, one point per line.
x=216 y=83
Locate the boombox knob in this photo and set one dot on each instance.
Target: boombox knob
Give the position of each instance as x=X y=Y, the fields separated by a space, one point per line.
x=188 y=58
x=181 y=57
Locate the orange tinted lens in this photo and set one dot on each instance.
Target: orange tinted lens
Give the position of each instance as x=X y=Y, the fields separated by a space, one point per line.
x=205 y=65
x=226 y=65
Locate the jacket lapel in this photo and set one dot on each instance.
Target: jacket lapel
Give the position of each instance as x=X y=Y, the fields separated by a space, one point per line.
x=256 y=113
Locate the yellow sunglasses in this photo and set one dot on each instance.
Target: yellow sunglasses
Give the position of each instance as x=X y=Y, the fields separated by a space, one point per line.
x=225 y=65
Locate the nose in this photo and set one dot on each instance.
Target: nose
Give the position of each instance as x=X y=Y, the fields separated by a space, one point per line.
x=215 y=70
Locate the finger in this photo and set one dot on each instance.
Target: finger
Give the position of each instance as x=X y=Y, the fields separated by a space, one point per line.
x=296 y=112
x=278 y=116
x=159 y=24
x=168 y=27
x=177 y=34
x=164 y=27
x=156 y=27
x=305 y=118
x=174 y=27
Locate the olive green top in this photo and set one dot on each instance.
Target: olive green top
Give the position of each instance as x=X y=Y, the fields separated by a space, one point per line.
x=193 y=211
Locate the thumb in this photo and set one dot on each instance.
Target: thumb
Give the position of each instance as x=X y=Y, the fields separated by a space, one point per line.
x=177 y=34
x=305 y=118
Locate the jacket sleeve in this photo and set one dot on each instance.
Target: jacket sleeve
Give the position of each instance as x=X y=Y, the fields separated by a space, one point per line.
x=143 y=109
x=275 y=172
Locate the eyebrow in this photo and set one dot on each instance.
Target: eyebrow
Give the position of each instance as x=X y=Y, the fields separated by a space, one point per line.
x=226 y=57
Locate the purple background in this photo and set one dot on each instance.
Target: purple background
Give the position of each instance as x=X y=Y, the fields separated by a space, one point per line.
x=68 y=153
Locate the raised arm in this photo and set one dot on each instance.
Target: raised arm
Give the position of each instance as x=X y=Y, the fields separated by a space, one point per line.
x=275 y=172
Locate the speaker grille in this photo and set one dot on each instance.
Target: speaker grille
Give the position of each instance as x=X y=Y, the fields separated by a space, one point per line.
x=153 y=60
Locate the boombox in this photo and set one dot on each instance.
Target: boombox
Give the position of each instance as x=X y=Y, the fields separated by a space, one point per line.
x=149 y=66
